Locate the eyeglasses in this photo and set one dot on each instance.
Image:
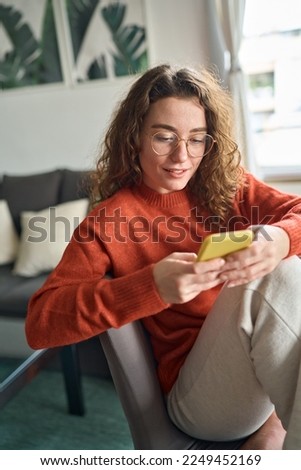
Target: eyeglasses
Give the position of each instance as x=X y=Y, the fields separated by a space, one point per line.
x=198 y=145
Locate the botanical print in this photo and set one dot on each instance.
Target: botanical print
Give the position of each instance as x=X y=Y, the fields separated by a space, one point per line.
x=107 y=38
x=28 y=44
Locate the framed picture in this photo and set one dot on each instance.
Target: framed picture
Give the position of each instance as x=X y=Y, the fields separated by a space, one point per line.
x=108 y=38
x=70 y=41
x=28 y=44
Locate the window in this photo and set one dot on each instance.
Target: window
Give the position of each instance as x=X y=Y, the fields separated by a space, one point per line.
x=271 y=59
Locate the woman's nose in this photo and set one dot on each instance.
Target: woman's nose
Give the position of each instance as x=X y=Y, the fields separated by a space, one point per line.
x=181 y=152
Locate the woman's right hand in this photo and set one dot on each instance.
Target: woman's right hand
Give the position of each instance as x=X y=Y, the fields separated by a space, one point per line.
x=179 y=278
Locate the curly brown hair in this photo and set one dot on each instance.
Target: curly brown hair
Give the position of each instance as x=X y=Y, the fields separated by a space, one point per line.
x=218 y=176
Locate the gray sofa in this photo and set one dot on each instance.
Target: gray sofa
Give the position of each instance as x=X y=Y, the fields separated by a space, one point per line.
x=34 y=193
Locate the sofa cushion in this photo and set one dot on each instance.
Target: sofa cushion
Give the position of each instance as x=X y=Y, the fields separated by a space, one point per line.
x=8 y=236
x=15 y=292
x=45 y=235
x=31 y=192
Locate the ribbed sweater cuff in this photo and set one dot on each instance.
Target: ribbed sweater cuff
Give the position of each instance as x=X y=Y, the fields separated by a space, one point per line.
x=138 y=297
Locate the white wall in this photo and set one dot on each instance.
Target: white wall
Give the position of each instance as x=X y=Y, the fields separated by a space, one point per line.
x=45 y=127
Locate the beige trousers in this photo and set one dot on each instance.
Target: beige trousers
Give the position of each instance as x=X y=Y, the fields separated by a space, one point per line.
x=245 y=361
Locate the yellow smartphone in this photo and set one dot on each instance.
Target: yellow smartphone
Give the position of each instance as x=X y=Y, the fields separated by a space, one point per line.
x=222 y=244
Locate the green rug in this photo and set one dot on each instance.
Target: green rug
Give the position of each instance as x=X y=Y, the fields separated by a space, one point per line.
x=36 y=418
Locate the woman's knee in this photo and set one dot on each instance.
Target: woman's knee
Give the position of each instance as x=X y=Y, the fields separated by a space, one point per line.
x=281 y=285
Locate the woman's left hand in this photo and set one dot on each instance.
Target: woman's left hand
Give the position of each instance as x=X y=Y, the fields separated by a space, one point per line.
x=270 y=246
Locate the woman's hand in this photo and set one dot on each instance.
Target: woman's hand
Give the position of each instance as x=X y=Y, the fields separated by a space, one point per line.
x=270 y=246
x=179 y=278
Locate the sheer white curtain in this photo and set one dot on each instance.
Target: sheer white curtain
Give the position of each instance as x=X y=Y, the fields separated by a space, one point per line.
x=230 y=15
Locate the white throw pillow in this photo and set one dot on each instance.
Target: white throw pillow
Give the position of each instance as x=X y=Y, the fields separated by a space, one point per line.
x=45 y=235
x=8 y=236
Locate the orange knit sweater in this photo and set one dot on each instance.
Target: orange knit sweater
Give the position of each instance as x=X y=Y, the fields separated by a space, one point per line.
x=125 y=235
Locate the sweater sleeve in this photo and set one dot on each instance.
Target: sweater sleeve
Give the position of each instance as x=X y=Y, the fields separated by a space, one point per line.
x=79 y=300
x=268 y=206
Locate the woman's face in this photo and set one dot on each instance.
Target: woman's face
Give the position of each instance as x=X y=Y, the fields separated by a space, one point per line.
x=186 y=118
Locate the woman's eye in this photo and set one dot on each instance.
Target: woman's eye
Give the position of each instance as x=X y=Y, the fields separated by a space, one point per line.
x=197 y=140
x=165 y=138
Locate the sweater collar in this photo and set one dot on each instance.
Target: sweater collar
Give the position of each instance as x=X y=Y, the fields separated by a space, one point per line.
x=153 y=198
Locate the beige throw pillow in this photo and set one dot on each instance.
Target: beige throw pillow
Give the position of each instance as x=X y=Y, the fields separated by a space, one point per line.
x=8 y=236
x=45 y=235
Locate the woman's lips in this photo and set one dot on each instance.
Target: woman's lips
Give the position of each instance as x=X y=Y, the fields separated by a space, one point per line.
x=175 y=172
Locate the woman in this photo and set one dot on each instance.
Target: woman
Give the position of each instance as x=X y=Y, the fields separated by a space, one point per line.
x=225 y=332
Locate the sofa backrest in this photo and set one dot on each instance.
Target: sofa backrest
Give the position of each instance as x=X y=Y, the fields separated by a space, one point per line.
x=38 y=191
x=74 y=185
